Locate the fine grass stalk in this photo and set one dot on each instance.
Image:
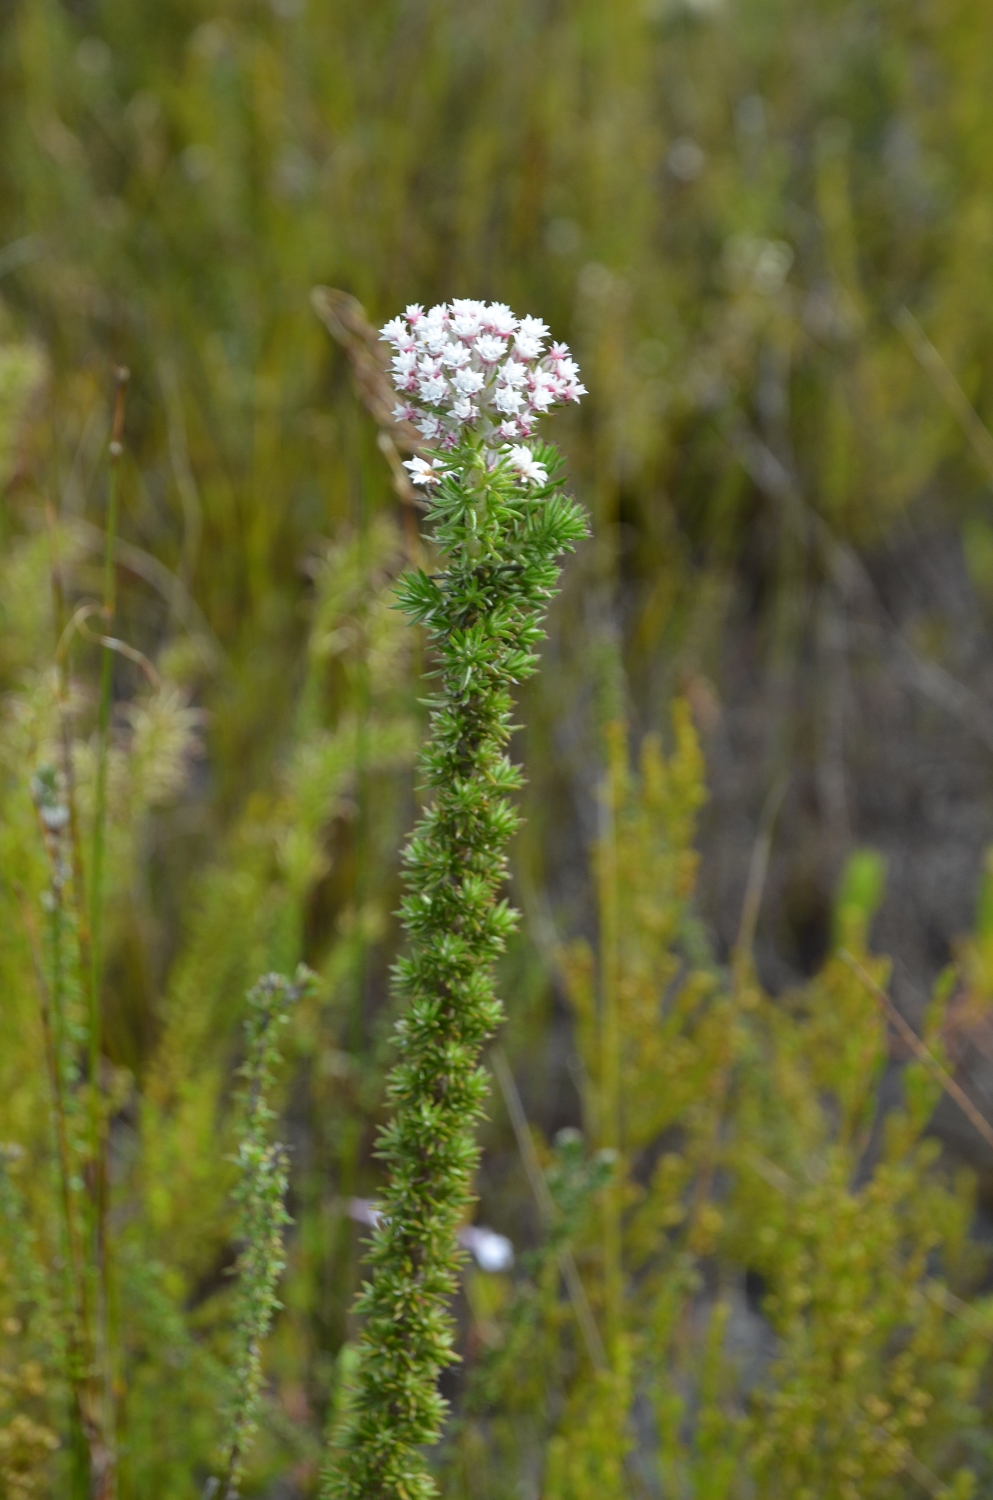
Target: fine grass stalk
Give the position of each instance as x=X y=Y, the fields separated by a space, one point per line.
x=104 y=1478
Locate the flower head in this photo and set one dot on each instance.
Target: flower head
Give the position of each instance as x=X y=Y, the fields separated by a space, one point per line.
x=422 y=472
x=474 y=365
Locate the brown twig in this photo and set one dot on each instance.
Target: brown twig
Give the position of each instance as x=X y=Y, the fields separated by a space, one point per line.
x=918 y=1048
x=345 y=319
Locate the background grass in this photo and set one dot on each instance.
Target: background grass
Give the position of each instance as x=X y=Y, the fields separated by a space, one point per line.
x=766 y=230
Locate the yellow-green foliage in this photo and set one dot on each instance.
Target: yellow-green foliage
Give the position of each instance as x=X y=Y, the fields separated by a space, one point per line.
x=340 y=755
x=749 y=1143
x=723 y=207
x=27 y=1440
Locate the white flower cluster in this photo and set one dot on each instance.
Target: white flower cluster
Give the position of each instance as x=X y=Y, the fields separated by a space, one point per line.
x=473 y=364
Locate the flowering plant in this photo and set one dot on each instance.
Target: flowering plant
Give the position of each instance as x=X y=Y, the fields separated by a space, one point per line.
x=473 y=365
x=500 y=522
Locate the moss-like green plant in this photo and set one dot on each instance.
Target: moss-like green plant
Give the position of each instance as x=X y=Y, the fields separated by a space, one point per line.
x=263 y=1167
x=500 y=522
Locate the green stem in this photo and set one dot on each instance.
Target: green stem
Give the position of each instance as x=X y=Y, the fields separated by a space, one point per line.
x=103 y=746
x=610 y=1032
x=500 y=545
x=105 y=1480
x=78 y=1332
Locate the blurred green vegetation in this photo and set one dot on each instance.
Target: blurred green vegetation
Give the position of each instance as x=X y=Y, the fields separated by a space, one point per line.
x=766 y=230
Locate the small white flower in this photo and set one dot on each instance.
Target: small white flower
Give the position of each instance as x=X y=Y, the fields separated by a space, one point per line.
x=514 y=373
x=456 y=355
x=530 y=338
x=433 y=388
x=467 y=307
x=468 y=382
x=395 y=332
x=422 y=472
x=527 y=347
x=413 y=312
x=405 y=362
x=464 y=409
x=508 y=400
x=532 y=328
x=522 y=460
x=490 y=348
x=500 y=319
x=466 y=325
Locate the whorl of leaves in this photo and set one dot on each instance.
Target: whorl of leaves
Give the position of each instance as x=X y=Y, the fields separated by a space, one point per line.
x=499 y=545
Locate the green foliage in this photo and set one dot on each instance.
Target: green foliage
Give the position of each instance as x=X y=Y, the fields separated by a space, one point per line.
x=499 y=545
x=723 y=208
x=263 y=1168
x=750 y=1153
x=167 y=1324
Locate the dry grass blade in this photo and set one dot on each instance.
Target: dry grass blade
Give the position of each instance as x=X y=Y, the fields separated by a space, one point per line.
x=952 y=393
x=546 y=1207
x=344 y=318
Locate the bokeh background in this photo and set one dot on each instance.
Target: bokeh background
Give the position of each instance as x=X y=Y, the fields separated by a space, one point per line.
x=766 y=230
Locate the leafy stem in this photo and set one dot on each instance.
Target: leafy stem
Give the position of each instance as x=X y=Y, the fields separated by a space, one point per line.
x=499 y=541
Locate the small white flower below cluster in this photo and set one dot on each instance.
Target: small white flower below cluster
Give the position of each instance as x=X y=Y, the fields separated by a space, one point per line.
x=468 y=364
x=523 y=462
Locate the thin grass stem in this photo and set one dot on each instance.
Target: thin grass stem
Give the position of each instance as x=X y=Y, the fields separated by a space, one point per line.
x=106 y=1483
